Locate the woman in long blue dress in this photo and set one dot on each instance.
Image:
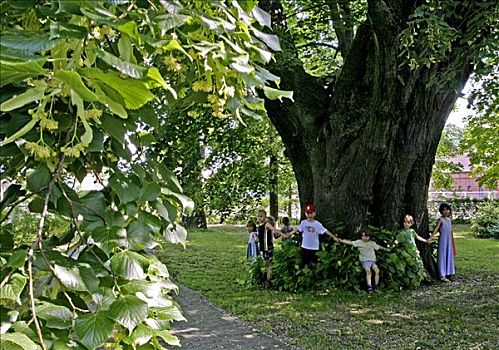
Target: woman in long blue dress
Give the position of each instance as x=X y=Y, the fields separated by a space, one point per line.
x=446 y=247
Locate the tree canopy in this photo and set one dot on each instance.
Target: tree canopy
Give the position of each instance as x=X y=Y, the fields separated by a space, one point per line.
x=78 y=81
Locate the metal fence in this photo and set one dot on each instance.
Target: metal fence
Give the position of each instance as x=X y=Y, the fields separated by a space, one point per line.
x=464 y=194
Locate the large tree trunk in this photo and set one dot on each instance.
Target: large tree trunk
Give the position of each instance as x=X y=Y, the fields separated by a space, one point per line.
x=363 y=150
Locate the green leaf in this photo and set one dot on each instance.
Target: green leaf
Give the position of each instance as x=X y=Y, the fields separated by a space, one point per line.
x=105 y=238
x=11 y=71
x=73 y=80
x=129 y=265
x=129 y=311
x=154 y=223
x=114 y=127
x=130 y=29
x=170 y=313
x=274 y=94
x=93 y=206
x=271 y=40
x=89 y=278
x=166 y=212
x=94 y=329
x=175 y=45
x=30 y=95
x=150 y=289
x=126 y=190
x=138 y=235
x=31 y=44
x=186 y=202
x=141 y=335
x=11 y=292
x=168 y=338
x=70 y=278
x=38 y=179
x=17 y=341
x=115 y=107
x=155 y=75
x=19 y=133
x=247 y=5
x=262 y=17
x=56 y=316
x=127 y=68
x=170 y=20
x=266 y=76
x=17 y=258
x=125 y=48
x=134 y=92
x=151 y=191
x=67 y=31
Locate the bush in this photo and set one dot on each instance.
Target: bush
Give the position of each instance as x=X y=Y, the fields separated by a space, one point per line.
x=463 y=209
x=486 y=223
x=339 y=266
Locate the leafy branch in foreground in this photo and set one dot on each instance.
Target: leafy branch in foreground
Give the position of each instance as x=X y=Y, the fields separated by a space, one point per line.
x=77 y=79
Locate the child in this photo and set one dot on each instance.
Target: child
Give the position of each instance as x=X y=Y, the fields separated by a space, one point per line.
x=252 y=252
x=408 y=236
x=310 y=229
x=266 y=240
x=367 y=257
x=286 y=226
x=446 y=246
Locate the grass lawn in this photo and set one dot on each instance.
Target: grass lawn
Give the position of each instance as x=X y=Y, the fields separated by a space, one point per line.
x=461 y=315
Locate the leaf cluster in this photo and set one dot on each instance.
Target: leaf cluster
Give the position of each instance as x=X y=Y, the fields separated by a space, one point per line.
x=79 y=80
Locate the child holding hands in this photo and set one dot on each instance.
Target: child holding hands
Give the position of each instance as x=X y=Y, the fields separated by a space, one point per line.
x=408 y=236
x=367 y=257
x=252 y=250
x=311 y=229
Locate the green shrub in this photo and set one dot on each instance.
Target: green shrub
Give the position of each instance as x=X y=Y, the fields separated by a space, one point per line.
x=463 y=209
x=486 y=223
x=339 y=266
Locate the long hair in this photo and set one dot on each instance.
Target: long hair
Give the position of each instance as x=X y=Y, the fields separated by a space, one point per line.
x=444 y=206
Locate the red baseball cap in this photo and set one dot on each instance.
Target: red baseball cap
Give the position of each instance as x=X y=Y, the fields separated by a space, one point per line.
x=310 y=208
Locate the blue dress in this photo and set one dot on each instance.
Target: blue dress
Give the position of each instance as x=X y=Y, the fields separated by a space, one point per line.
x=445 y=248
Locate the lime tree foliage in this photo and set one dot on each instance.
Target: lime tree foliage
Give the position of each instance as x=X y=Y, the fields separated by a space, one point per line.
x=338 y=266
x=77 y=82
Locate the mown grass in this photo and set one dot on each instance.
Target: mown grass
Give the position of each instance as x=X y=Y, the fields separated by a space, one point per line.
x=461 y=315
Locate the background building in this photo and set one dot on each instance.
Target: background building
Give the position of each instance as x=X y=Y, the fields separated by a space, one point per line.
x=465 y=184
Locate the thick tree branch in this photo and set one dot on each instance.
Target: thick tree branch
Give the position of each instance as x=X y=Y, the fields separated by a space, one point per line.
x=342 y=24
x=302 y=46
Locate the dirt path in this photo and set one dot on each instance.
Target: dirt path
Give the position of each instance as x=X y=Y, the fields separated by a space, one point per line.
x=209 y=327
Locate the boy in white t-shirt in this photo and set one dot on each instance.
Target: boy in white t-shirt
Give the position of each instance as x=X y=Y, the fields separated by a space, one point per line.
x=310 y=229
x=367 y=257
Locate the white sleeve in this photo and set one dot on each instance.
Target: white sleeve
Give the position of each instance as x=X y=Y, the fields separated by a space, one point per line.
x=320 y=228
x=301 y=227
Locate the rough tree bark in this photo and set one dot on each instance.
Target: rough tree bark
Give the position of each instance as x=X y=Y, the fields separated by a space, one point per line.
x=363 y=148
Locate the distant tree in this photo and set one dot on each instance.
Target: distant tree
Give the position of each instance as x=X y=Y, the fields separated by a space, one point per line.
x=449 y=146
x=482 y=131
